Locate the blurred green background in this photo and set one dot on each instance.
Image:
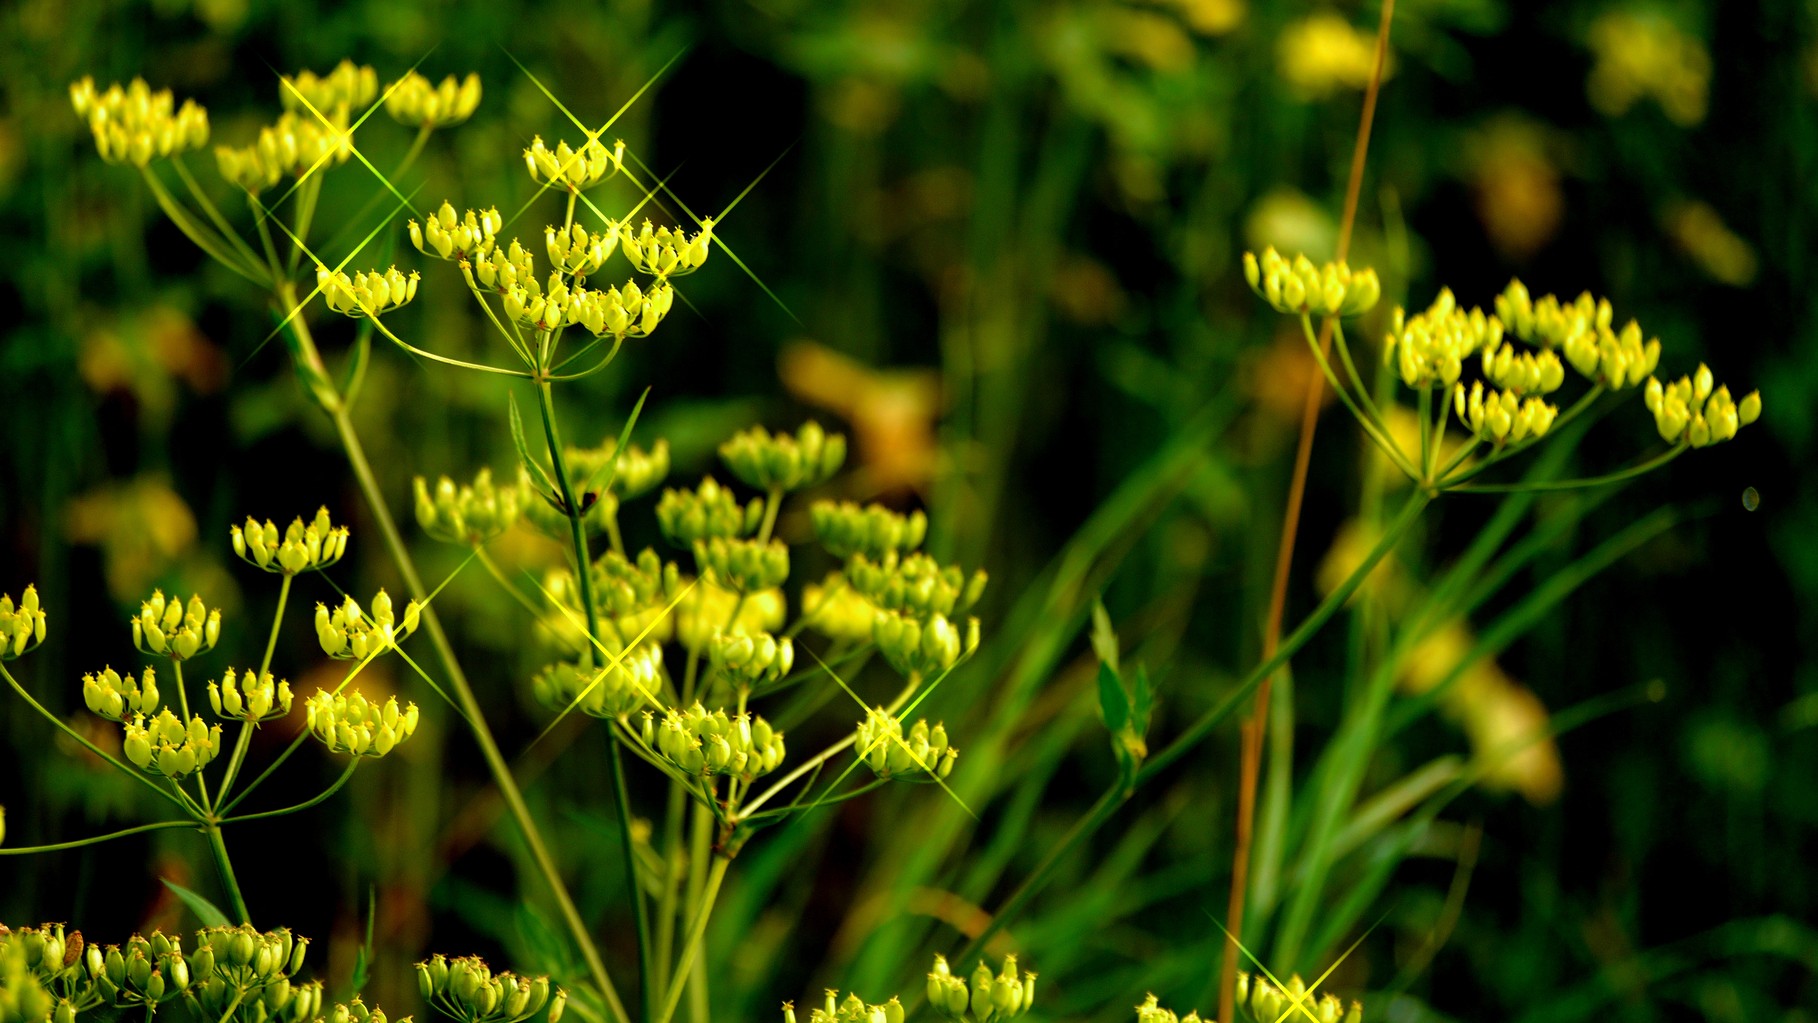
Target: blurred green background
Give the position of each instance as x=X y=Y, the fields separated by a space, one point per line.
x=998 y=246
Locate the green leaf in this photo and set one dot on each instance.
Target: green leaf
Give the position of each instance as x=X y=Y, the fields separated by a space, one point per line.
x=1104 y=637
x=206 y=911
x=610 y=468
x=534 y=467
x=362 y=971
x=1113 y=701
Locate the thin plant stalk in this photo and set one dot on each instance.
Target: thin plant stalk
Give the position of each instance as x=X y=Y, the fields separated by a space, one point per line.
x=1254 y=727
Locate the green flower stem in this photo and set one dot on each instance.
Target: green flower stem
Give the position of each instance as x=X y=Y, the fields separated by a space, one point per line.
x=214 y=215
x=244 y=742
x=692 y=943
x=310 y=190
x=457 y=363
x=272 y=261
x=773 y=503
x=504 y=581
x=511 y=336
x=822 y=757
x=1425 y=412
x=1200 y=728
x=1577 y=409
x=91 y=747
x=468 y=704
x=225 y=868
x=22 y=850
x=1591 y=481
x=582 y=352
x=206 y=239
x=352 y=765
x=1344 y=357
x=589 y=607
x=1370 y=428
x=239 y=996
x=673 y=866
x=176 y=667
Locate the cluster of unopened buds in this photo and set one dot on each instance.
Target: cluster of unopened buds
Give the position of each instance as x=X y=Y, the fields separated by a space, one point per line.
x=348 y=633
x=845 y=529
x=366 y=294
x=625 y=680
x=1263 y=1002
x=708 y=511
x=175 y=630
x=1694 y=410
x=413 y=100
x=889 y=754
x=1302 y=287
x=296 y=143
x=987 y=998
x=704 y=744
x=447 y=235
x=622 y=312
x=922 y=646
x=253 y=698
x=468 y=514
x=578 y=251
x=573 y=169
x=743 y=566
x=1430 y=347
x=1502 y=416
x=359 y=727
x=502 y=270
x=851 y=1009
x=168 y=746
x=348 y=87
x=749 y=658
x=667 y=252
x=466 y=989
x=22 y=625
x=301 y=547
x=136 y=125
x=117 y=699
x=784 y=462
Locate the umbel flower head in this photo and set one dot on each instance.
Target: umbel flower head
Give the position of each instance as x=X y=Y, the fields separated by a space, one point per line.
x=784 y=461
x=137 y=125
x=601 y=686
x=922 y=646
x=1151 y=1011
x=916 y=584
x=367 y=293
x=468 y=990
x=414 y=101
x=1431 y=346
x=175 y=630
x=501 y=270
x=252 y=699
x=704 y=744
x=347 y=87
x=1300 y=286
x=1263 y=1002
x=447 y=235
x=744 y=566
x=300 y=548
x=573 y=169
x=709 y=511
x=296 y=144
x=348 y=633
x=836 y=610
x=1695 y=410
x=470 y=514
x=851 y=1009
x=624 y=311
x=116 y=698
x=845 y=529
x=578 y=251
x=1502 y=416
x=748 y=658
x=21 y=624
x=1582 y=330
x=350 y=723
x=168 y=746
x=667 y=252
x=986 y=999
x=889 y=754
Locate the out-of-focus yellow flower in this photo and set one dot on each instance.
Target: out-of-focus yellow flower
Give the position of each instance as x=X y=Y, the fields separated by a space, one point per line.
x=1323 y=53
x=1517 y=186
x=1209 y=17
x=141 y=526
x=1150 y=37
x=1642 y=54
x=1718 y=251
x=892 y=412
x=1288 y=220
x=1505 y=722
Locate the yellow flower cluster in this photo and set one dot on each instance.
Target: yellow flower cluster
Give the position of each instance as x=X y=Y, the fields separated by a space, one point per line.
x=413 y=101
x=252 y=698
x=1299 y=286
x=169 y=747
x=628 y=311
x=366 y=293
x=706 y=744
x=348 y=633
x=117 y=699
x=1323 y=53
x=1430 y=347
x=21 y=625
x=297 y=143
x=501 y=270
x=578 y=251
x=316 y=545
x=354 y=725
x=1524 y=373
x=1694 y=410
x=137 y=125
x=467 y=514
x=175 y=630
x=571 y=169
x=1500 y=416
x=347 y=87
x=663 y=252
x=884 y=749
x=448 y=237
